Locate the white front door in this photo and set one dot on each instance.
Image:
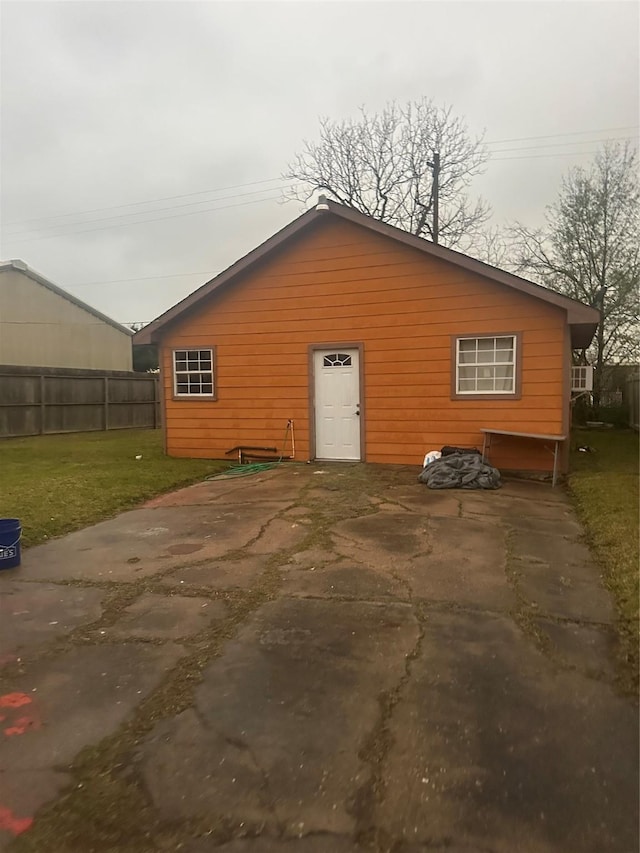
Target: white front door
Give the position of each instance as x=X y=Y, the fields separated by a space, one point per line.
x=337 y=403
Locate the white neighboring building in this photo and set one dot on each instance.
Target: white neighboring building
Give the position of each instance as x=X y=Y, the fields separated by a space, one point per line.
x=41 y=325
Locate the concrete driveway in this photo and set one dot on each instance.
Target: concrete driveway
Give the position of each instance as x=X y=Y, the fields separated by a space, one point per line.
x=319 y=658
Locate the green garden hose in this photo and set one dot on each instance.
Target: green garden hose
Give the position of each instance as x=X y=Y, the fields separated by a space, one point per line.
x=245 y=470
x=257 y=467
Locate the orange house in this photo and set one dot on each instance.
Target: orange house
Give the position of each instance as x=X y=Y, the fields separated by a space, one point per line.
x=378 y=345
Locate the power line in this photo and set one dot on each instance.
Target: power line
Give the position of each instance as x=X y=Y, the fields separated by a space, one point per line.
x=144 y=221
x=558 y=135
x=279 y=178
x=56 y=323
x=143 y=278
x=24 y=238
x=148 y=201
x=537 y=156
x=72 y=323
x=72 y=233
x=254 y=192
x=563 y=144
x=144 y=212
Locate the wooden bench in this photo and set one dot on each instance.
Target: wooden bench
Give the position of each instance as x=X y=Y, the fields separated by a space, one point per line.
x=556 y=439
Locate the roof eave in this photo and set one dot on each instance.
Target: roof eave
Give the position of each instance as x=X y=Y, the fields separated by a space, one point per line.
x=151 y=334
x=577 y=312
x=582 y=334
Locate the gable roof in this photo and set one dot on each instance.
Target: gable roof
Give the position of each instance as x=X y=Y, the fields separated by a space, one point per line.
x=20 y=266
x=582 y=318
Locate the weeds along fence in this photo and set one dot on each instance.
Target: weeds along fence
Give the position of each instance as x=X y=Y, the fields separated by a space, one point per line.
x=42 y=401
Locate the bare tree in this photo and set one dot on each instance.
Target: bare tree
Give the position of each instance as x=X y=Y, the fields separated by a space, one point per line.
x=490 y=245
x=590 y=248
x=383 y=165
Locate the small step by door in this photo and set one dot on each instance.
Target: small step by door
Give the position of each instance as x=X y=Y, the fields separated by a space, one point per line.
x=337 y=403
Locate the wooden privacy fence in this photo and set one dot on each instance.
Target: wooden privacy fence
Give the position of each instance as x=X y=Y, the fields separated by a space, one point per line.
x=40 y=401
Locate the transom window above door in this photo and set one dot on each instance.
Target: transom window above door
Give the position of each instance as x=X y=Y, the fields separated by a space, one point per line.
x=337 y=359
x=486 y=365
x=193 y=373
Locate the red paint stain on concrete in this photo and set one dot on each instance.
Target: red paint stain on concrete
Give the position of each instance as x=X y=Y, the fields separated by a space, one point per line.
x=14 y=700
x=10 y=823
x=22 y=725
x=28 y=721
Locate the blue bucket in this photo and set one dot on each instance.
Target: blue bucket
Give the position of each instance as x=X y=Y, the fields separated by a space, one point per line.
x=10 y=535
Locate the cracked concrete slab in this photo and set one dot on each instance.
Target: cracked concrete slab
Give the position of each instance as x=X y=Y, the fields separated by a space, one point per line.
x=343 y=579
x=167 y=617
x=77 y=698
x=445 y=847
x=514 y=506
x=465 y=565
x=533 y=490
x=546 y=587
x=298 y=513
x=280 y=484
x=556 y=571
x=433 y=502
x=280 y=718
x=146 y=541
x=385 y=686
x=321 y=843
x=31 y=614
x=382 y=538
x=22 y=792
x=238 y=573
x=498 y=750
x=310 y=558
x=528 y=528
x=587 y=648
x=59 y=706
x=280 y=534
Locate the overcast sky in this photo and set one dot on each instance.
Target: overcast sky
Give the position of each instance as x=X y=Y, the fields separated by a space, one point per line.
x=142 y=143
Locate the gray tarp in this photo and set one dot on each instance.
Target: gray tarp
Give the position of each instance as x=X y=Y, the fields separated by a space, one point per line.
x=460 y=471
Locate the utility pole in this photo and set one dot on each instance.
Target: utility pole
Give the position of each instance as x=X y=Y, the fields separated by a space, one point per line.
x=435 y=166
x=436 y=195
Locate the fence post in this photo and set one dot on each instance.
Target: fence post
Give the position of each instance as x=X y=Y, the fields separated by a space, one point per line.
x=106 y=402
x=42 y=404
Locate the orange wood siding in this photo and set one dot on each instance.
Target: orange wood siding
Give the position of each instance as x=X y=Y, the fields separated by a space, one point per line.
x=339 y=282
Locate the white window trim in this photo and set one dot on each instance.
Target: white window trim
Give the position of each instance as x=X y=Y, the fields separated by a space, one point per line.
x=197 y=396
x=582 y=378
x=476 y=392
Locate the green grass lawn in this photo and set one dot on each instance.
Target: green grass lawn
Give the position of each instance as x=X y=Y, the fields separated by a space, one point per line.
x=58 y=483
x=604 y=486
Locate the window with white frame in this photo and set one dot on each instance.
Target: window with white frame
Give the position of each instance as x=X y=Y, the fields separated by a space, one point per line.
x=486 y=365
x=193 y=373
x=582 y=378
